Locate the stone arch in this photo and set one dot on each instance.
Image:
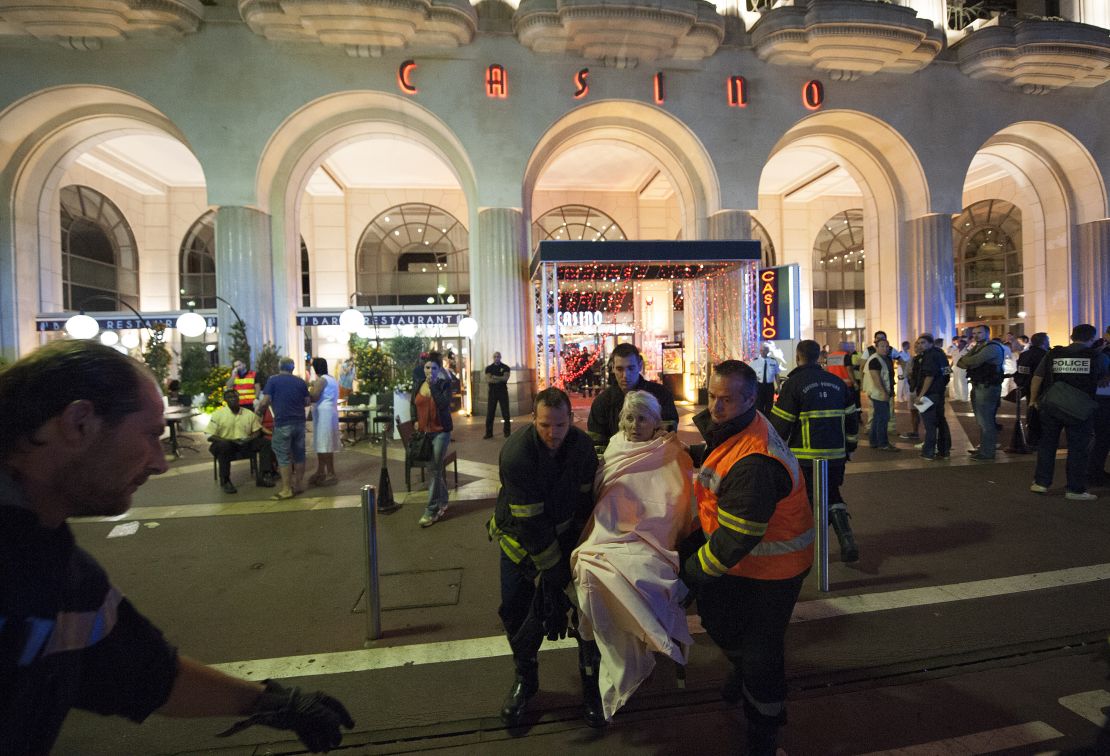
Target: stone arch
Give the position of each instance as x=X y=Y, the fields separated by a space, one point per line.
x=683 y=157
x=304 y=140
x=44 y=133
x=1056 y=183
x=895 y=189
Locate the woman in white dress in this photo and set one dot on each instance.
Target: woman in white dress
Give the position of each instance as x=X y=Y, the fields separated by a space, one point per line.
x=325 y=423
x=626 y=568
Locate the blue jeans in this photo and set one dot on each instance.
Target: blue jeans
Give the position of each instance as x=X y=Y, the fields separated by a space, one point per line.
x=938 y=440
x=1079 y=441
x=880 y=416
x=985 y=400
x=437 y=487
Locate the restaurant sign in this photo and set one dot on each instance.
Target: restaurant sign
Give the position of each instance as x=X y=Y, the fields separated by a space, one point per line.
x=396 y=319
x=114 y=323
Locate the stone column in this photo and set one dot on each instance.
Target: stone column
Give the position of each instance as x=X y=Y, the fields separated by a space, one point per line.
x=502 y=305
x=1090 y=275
x=730 y=224
x=245 y=278
x=928 y=278
x=1093 y=12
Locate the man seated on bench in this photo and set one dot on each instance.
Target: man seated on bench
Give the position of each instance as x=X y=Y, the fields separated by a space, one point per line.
x=236 y=433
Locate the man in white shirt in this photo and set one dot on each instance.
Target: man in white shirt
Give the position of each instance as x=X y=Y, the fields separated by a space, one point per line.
x=958 y=388
x=235 y=433
x=766 y=369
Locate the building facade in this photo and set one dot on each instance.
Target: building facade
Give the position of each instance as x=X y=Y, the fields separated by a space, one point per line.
x=923 y=168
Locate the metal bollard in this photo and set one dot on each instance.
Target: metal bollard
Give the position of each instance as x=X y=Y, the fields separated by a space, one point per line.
x=821 y=518
x=373 y=595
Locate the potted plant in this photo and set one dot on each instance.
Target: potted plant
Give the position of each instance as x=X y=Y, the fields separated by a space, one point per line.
x=157 y=354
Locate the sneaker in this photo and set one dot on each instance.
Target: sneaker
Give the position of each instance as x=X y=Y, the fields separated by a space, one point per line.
x=429 y=518
x=929 y=457
x=908 y=436
x=919 y=446
x=229 y=487
x=1037 y=488
x=889 y=448
x=1080 y=496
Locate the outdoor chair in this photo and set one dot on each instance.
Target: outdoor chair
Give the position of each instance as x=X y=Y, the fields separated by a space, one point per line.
x=252 y=456
x=350 y=419
x=406 y=429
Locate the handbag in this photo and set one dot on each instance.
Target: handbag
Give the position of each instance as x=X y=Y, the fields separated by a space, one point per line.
x=1067 y=404
x=420 y=447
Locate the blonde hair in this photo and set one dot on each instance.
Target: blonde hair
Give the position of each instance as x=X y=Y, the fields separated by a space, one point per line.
x=639 y=401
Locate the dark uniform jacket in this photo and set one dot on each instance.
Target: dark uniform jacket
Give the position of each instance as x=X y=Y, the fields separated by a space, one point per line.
x=984 y=363
x=1026 y=364
x=1076 y=365
x=543 y=499
x=816 y=415
x=605 y=412
x=68 y=638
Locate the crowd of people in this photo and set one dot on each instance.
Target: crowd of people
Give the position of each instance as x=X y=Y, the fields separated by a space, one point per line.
x=597 y=539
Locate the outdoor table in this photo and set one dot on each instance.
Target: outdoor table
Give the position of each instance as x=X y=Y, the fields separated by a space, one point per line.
x=173 y=417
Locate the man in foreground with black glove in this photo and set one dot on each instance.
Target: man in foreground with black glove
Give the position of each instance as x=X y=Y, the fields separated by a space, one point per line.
x=547 y=474
x=82 y=429
x=757 y=528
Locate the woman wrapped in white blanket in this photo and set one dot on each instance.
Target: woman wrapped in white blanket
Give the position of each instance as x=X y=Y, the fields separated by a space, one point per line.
x=626 y=568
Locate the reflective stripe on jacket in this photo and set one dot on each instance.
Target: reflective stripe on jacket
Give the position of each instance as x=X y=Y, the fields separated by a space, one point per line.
x=245 y=387
x=786 y=547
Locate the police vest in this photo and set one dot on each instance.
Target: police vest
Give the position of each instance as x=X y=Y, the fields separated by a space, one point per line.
x=1075 y=368
x=839 y=363
x=986 y=373
x=245 y=387
x=787 y=546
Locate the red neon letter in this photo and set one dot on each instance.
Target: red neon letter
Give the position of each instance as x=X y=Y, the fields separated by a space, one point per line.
x=581 y=83
x=813 y=95
x=659 y=94
x=497 y=81
x=403 y=77
x=737 y=92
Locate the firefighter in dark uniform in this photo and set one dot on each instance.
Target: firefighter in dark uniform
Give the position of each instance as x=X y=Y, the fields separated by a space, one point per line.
x=626 y=370
x=1082 y=367
x=756 y=548
x=546 y=497
x=820 y=420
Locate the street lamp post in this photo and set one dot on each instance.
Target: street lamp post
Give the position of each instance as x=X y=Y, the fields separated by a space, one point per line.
x=82 y=326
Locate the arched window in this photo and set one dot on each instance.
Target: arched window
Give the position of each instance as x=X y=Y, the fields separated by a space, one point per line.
x=99 y=255
x=576 y=223
x=412 y=253
x=306 y=288
x=838 y=288
x=767 y=247
x=989 y=284
x=198 y=263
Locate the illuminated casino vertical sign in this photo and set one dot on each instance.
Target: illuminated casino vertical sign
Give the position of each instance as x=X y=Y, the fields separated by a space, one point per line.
x=778 y=303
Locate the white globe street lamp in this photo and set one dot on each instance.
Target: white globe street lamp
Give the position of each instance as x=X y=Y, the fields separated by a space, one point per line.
x=351 y=320
x=191 y=324
x=468 y=326
x=81 y=326
x=109 y=338
x=129 y=339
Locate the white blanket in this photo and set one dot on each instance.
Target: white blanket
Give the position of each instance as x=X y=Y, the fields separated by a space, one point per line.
x=626 y=569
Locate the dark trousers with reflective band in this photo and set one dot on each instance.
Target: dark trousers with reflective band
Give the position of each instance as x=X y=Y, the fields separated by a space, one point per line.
x=497 y=399
x=518 y=588
x=835 y=481
x=938 y=439
x=1079 y=441
x=747 y=619
x=1100 y=449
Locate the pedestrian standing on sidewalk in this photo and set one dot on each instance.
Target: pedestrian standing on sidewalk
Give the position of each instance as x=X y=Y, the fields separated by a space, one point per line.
x=818 y=418
x=1081 y=369
x=984 y=365
x=766 y=369
x=547 y=475
x=433 y=415
x=497 y=376
x=324 y=392
x=932 y=384
x=288 y=394
x=81 y=434
x=913 y=386
x=878 y=384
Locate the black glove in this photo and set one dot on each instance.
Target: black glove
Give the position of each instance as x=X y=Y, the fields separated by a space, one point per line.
x=551 y=606
x=315 y=717
x=694 y=577
x=556 y=577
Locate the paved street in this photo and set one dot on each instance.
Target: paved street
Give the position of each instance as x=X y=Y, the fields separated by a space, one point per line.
x=975 y=622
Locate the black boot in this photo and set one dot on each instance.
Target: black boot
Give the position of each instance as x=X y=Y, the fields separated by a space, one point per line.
x=525 y=685
x=849 y=552
x=589 y=660
x=763 y=731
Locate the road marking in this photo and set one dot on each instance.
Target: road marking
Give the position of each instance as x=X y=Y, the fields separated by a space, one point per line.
x=987 y=741
x=481 y=648
x=1089 y=705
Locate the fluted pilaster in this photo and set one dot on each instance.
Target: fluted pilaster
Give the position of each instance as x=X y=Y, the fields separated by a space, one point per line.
x=928 y=277
x=502 y=305
x=1090 y=274
x=730 y=224
x=245 y=277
